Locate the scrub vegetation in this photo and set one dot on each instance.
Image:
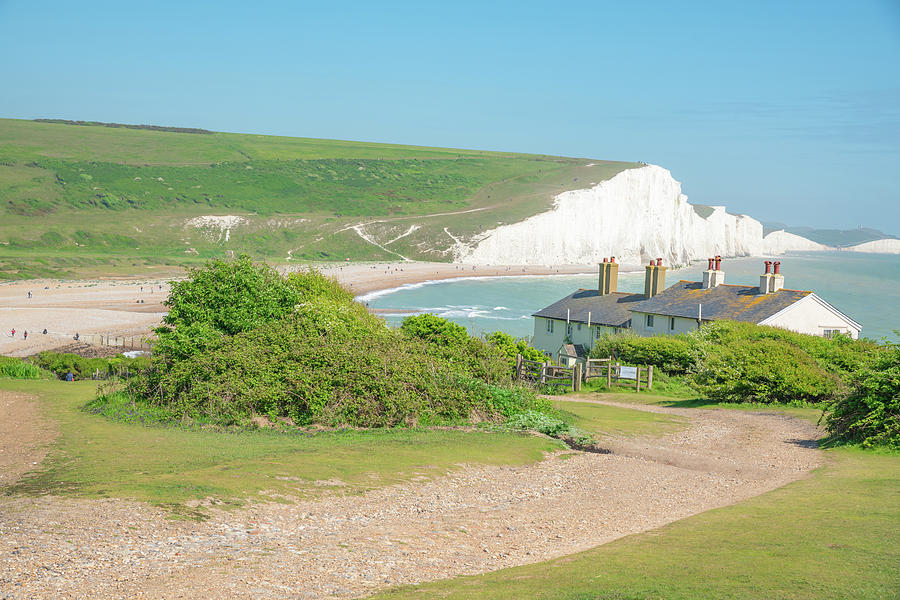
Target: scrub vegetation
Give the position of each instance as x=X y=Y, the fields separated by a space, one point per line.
x=855 y=382
x=240 y=342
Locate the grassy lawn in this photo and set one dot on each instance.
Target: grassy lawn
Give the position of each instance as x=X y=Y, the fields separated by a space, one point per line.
x=833 y=535
x=601 y=419
x=94 y=457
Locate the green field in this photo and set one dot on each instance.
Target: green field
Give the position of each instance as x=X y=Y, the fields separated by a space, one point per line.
x=74 y=198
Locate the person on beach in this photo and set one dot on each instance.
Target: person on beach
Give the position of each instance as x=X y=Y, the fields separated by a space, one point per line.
x=25 y=335
x=44 y=332
x=12 y=333
x=69 y=376
x=29 y=294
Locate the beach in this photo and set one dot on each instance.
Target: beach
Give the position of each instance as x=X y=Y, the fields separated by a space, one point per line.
x=133 y=306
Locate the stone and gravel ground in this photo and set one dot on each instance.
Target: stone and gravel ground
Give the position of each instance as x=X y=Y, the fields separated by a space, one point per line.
x=474 y=520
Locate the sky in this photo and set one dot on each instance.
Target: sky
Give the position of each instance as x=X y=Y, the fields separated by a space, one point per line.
x=786 y=111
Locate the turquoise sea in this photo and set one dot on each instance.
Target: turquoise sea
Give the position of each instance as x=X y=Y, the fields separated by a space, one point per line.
x=866 y=287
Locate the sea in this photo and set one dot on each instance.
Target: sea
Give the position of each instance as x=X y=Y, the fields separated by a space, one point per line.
x=866 y=287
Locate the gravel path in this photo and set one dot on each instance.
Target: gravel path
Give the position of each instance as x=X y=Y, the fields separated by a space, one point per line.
x=475 y=520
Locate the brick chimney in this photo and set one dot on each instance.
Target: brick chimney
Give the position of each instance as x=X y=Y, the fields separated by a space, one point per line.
x=777 y=277
x=713 y=276
x=609 y=276
x=654 y=278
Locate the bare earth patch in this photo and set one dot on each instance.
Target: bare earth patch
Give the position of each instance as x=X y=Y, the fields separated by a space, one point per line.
x=24 y=436
x=476 y=520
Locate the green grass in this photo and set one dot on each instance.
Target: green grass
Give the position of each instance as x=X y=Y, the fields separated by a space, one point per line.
x=833 y=535
x=600 y=419
x=95 y=457
x=72 y=194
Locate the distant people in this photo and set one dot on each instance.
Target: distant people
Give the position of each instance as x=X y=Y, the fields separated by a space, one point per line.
x=12 y=333
x=76 y=336
x=25 y=335
x=29 y=294
x=70 y=376
x=142 y=288
x=44 y=332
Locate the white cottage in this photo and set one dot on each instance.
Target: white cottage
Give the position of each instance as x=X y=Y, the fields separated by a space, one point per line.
x=576 y=321
x=687 y=304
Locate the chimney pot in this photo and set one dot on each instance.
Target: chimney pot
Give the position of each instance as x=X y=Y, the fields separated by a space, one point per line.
x=777 y=267
x=605 y=260
x=718 y=263
x=768 y=266
x=612 y=259
x=658 y=262
x=711 y=261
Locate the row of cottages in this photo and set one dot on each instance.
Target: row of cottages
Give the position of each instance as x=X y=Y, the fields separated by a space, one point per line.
x=568 y=328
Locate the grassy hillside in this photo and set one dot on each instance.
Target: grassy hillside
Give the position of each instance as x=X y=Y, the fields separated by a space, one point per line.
x=78 y=197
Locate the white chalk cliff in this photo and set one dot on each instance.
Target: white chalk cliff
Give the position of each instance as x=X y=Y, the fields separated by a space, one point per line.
x=637 y=215
x=885 y=246
x=779 y=242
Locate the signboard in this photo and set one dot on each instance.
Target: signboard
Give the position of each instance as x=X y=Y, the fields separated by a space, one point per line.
x=628 y=372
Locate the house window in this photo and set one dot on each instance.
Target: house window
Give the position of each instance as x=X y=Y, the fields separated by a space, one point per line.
x=549 y=325
x=830 y=333
x=672 y=323
x=649 y=320
x=579 y=326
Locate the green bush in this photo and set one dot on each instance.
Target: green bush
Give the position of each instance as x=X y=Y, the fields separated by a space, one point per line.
x=326 y=360
x=763 y=371
x=15 y=368
x=870 y=414
x=511 y=347
x=675 y=354
x=84 y=368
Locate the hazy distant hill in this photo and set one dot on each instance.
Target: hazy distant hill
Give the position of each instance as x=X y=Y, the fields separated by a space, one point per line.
x=78 y=194
x=830 y=237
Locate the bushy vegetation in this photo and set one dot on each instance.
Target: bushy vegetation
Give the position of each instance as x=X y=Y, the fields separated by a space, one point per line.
x=511 y=347
x=84 y=368
x=241 y=341
x=741 y=362
x=674 y=354
x=16 y=368
x=870 y=413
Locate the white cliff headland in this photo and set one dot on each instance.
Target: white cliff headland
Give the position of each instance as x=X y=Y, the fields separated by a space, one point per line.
x=637 y=215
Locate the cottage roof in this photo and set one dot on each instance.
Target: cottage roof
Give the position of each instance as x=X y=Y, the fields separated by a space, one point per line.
x=733 y=302
x=610 y=309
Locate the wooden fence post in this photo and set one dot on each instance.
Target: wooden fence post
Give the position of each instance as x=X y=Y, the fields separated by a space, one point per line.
x=650 y=377
x=518 y=367
x=637 y=380
x=544 y=370
x=576 y=377
x=609 y=375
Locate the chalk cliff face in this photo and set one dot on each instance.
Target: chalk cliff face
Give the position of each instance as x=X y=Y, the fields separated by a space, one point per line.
x=779 y=242
x=637 y=215
x=886 y=246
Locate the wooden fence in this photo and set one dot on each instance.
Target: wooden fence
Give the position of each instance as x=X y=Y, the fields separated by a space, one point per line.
x=545 y=373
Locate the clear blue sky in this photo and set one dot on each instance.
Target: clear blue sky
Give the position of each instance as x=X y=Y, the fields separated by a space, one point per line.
x=785 y=111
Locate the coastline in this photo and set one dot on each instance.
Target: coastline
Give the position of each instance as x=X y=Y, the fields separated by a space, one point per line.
x=366 y=278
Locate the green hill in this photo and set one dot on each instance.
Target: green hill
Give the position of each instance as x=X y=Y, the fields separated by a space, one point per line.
x=79 y=197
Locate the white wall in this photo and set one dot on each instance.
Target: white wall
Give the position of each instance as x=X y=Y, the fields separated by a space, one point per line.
x=661 y=324
x=581 y=334
x=811 y=315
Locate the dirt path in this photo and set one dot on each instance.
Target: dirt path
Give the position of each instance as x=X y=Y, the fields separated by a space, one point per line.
x=476 y=520
x=24 y=436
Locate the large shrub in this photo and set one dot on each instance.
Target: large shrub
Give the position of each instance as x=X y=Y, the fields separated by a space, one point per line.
x=763 y=371
x=221 y=299
x=512 y=347
x=870 y=414
x=16 y=368
x=675 y=354
x=325 y=359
